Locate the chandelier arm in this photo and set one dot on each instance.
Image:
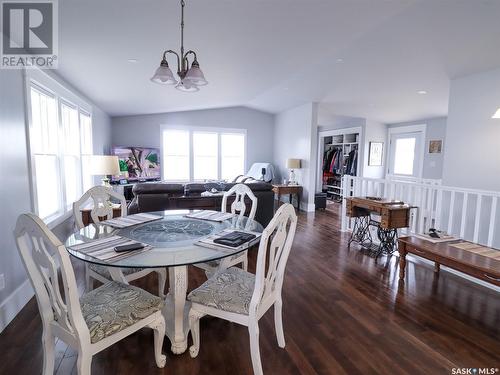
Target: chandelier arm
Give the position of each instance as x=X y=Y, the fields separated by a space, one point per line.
x=191 y=52
x=176 y=55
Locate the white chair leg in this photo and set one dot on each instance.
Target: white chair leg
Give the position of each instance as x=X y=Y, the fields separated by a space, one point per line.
x=278 y=322
x=159 y=332
x=83 y=363
x=48 y=353
x=253 y=330
x=162 y=281
x=194 y=326
x=89 y=282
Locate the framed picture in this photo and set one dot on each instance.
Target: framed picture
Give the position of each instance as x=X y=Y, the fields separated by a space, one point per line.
x=375 y=153
x=435 y=147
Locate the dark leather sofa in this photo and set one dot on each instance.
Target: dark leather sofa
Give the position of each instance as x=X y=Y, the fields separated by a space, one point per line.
x=157 y=196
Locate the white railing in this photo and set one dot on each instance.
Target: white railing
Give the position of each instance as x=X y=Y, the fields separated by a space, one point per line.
x=465 y=213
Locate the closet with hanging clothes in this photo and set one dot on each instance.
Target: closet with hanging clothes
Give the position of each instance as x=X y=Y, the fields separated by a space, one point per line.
x=339 y=157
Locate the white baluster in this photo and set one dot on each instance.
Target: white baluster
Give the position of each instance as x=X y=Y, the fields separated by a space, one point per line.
x=450 y=215
x=478 y=217
x=493 y=217
x=464 y=215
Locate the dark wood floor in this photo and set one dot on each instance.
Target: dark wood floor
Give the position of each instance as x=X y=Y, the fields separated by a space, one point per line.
x=344 y=313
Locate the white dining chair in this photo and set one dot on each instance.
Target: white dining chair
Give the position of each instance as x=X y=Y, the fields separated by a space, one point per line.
x=239 y=207
x=88 y=324
x=102 y=209
x=241 y=297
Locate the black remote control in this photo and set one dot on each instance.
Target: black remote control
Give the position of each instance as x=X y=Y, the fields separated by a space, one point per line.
x=134 y=246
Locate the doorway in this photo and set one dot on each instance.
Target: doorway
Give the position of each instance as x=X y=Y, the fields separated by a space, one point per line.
x=406 y=152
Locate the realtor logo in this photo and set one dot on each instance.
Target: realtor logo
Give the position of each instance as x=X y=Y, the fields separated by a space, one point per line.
x=29 y=34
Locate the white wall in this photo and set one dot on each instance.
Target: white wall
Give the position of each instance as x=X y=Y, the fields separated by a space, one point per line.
x=373 y=132
x=435 y=130
x=295 y=136
x=144 y=130
x=472 y=137
x=15 y=187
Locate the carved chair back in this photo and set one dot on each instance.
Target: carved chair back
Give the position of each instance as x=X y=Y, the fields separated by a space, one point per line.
x=101 y=199
x=41 y=251
x=275 y=245
x=240 y=190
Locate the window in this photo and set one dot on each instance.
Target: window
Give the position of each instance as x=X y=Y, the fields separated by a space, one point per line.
x=60 y=135
x=406 y=154
x=176 y=155
x=203 y=154
x=232 y=155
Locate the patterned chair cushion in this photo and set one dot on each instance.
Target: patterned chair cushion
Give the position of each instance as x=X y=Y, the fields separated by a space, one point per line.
x=104 y=271
x=229 y=290
x=115 y=306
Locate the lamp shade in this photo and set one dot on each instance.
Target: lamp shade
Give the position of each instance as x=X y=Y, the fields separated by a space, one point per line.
x=195 y=75
x=163 y=75
x=103 y=165
x=293 y=163
x=186 y=86
x=497 y=114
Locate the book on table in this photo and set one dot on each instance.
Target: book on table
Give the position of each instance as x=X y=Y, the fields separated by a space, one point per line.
x=231 y=239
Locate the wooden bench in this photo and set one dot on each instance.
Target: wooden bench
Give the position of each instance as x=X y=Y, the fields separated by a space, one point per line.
x=472 y=259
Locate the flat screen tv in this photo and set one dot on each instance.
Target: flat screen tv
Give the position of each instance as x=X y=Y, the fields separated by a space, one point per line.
x=137 y=163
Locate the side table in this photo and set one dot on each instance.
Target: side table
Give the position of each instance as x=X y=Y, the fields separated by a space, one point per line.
x=290 y=190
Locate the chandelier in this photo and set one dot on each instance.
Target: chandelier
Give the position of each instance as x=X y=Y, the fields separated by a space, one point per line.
x=190 y=77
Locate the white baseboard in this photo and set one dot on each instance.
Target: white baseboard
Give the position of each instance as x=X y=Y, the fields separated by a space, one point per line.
x=14 y=303
x=308 y=207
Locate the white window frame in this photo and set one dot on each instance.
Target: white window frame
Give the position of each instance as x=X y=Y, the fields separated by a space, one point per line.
x=203 y=129
x=421 y=128
x=46 y=84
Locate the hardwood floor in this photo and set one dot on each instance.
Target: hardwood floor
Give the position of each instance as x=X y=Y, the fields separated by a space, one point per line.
x=344 y=313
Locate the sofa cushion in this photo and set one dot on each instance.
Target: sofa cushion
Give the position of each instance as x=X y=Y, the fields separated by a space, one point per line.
x=253 y=185
x=194 y=188
x=158 y=188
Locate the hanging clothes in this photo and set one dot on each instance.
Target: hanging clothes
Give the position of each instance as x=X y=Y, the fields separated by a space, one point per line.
x=335 y=164
x=327 y=159
x=352 y=163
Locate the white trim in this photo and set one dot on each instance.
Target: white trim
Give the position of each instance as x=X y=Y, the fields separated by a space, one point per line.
x=422 y=128
x=14 y=303
x=56 y=88
x=49 y=85
x=307 y=207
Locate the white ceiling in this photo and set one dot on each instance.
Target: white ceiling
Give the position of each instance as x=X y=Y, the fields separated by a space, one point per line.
x=275 y=54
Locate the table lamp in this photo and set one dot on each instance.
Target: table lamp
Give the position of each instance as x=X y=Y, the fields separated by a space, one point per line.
x=292 y=164
x=104 y=165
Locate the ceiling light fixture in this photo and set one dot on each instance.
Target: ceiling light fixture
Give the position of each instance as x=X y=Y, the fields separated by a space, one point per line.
x=132 y=61
x=497 y=114
x=190 y=77
x=422 y=92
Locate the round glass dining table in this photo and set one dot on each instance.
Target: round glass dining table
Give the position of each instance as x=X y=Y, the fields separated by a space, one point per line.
x=173 y=240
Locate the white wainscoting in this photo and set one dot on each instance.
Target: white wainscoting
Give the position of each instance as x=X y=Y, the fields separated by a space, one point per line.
x=14 y=303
